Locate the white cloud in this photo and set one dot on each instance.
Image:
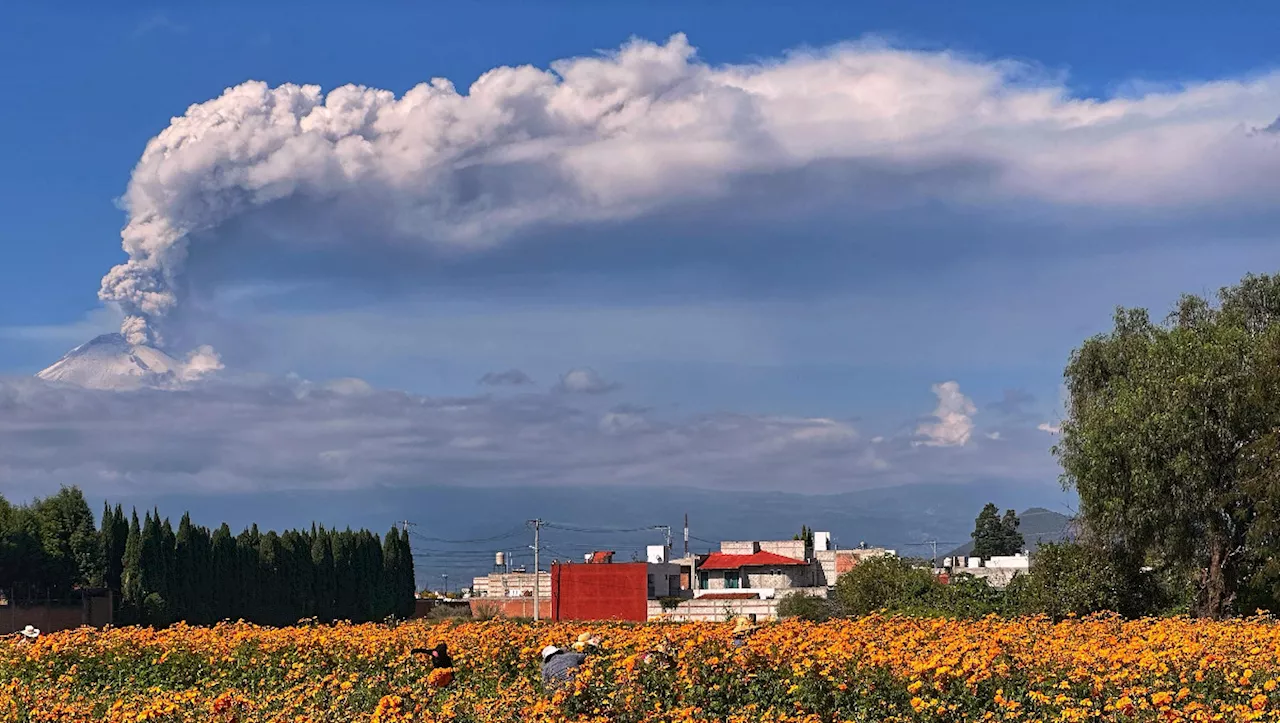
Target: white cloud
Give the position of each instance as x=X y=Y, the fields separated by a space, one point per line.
x=1050 y=428
x=650 y=126
x=954 y=424
x=584 y=381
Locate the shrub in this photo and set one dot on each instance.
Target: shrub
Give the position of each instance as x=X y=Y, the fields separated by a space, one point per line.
x=803 y=606
x=886 y=583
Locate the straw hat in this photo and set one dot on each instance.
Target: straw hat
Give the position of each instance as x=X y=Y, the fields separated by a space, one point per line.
x=743 y=624
x=31 y=632
x=584 y=640
x=549 y=651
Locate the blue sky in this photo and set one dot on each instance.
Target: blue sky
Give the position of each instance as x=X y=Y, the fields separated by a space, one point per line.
x=876 y=256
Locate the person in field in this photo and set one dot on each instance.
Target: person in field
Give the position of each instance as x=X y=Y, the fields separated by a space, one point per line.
x=560 y=666
x=441 y=675
x=743 y=627
x=662 y=655
x=28 y=635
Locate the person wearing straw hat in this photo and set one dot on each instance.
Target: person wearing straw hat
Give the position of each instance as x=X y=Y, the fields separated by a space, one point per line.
x=28 y=635
x=743 y=627
x=559 y=666
x=586 y=642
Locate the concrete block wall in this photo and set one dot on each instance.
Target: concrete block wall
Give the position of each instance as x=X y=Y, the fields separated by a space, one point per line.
x=739 y=547
x=787 y=548
x=714 y=611
x=782 y=577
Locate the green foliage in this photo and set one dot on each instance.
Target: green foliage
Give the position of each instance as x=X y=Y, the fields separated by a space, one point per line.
x=202 y=576
x=1074 y=579
x=1172 y=439
x=885 y=583
x=670 y=602
x=804 y=606
x=994 y=535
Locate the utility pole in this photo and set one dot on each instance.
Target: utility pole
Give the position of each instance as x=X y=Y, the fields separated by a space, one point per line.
x=686 y=534
x=537 y=528
x=666 y=539
x=935 y=550
x=405 y=525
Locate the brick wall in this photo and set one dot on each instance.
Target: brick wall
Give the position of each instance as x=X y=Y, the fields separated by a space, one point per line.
x=511 y=607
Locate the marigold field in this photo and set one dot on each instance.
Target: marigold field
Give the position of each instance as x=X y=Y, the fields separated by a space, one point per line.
x=872 y=669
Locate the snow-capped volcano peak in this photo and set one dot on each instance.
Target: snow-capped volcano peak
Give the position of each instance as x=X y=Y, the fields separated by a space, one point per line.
x=111 y=362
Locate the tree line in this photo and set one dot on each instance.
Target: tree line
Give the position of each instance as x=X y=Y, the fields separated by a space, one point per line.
x=199 y=575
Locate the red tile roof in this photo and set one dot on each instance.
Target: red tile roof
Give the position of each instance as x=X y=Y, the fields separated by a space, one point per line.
x=721 y=561
x=602 y=556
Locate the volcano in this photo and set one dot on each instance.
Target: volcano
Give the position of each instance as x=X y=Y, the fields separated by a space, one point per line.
x=112 y=363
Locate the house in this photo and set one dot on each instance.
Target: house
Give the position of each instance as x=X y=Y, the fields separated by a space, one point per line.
x=749 y=577
x=510 y=584
x=998 y=571
x=755 y=571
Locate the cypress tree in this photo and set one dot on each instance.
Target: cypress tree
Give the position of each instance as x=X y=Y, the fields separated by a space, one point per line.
x=111 y=543
x=223 y=579
x=390 y=579
x=248 y=576
x=269 y=570
x=168 y=559
x=184 y=570
x=324 y=577
x=371 y=576
x=346 y=591
x=408 y=588
x=131 y=575
x=301 y=576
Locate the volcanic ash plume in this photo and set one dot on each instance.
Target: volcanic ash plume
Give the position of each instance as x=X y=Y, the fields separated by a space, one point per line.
x=618 y=135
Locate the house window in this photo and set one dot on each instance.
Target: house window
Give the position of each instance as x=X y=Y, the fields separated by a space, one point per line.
x=651 y=591
x=703 y=579
x=732 y=580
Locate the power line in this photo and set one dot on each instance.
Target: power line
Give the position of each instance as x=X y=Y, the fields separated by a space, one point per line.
x=602 y=530
x=503 y=536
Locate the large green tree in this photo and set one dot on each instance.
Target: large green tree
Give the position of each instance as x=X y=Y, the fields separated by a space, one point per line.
x=1172 y=439
x=70 y=538
x=995 y=535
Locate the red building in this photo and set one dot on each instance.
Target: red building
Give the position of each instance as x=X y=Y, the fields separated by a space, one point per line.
x=601 y=591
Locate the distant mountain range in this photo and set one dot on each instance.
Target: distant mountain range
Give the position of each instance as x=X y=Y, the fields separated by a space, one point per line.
x=457 y=529
x=1037 y=526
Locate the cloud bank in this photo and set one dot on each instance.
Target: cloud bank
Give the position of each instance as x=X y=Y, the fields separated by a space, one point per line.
x=615 y=137
x=263 y=434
